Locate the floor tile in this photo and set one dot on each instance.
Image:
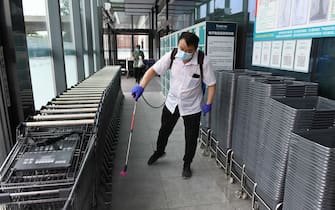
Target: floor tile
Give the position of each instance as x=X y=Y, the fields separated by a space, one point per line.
x=160 y=186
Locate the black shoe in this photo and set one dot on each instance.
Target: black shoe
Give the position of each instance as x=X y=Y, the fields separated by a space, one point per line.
x=187 y=173
x=154 y=157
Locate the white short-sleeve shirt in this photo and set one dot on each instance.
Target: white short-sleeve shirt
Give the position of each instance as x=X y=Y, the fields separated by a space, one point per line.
x=185 y=82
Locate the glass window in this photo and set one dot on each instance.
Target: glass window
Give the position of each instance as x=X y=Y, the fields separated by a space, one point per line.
x=324 y=70
x=203 y=11
x=236 y=6
x=252 y=10
x=211 y=6
x=96 y=36
x=143 y=41
x=182 y=22
x=84 y=33
x=68 y=43
x=39 y=51
x=106 y=49
x=123 y=46
x=122 y=19
x=141 y=22
x=219 y=4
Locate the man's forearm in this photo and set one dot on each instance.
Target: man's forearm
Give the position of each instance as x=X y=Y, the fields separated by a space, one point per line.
x=211 y=93
x=149 y=74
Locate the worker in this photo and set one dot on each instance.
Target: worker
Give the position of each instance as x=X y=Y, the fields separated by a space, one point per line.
x=138 y=64
x=184 y=98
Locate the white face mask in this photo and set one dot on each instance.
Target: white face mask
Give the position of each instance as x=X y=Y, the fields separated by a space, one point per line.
x=184 y=55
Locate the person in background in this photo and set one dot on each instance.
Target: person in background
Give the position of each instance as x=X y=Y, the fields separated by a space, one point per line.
x=184 y=98
x=138 y=63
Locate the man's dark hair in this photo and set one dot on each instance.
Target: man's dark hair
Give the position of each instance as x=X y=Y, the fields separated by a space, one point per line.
x=190 y=38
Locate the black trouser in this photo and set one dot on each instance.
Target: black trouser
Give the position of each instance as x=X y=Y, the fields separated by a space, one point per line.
x=191 y=123
x=138 y=74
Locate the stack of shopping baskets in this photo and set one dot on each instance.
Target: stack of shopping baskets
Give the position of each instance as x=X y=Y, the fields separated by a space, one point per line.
x=310 y=175
x=241 y=115
x=268 y=113
x=54 y=164
x=217 y=137
x=261 y=91
x=223 y=109
x=282 y=117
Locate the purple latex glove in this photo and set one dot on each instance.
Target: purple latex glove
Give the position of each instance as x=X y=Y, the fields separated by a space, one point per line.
x=136 y=92
x=206 y=108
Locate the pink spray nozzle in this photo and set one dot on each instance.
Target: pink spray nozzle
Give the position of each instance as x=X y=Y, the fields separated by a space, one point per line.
x=123 y=173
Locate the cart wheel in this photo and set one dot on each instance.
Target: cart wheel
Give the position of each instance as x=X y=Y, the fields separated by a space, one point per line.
x=212 y=155
x=218 y=164
x=231 y=180
x=238 y=194
x=205 y=153
x=256 y=205
x=244 y=196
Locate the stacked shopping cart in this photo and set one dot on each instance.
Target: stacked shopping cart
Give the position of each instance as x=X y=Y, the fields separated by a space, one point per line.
x=56 y=162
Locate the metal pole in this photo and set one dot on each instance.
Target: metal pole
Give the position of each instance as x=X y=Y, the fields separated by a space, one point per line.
x=152 y=18
x=57 y=46
x=167 y=16
x=78 y=41
x=89 y=36
x=64 y=116
x=57 y=111
x=59 y=123
x=156 y=16
x=109 y=46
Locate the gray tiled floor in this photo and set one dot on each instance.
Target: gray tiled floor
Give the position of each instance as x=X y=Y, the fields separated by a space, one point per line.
x=160 y=186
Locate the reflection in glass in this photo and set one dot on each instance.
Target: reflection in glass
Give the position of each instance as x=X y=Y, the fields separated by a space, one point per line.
x=203 y=11
x=68 y=43
x=219 y=4
x=211 y=6
x=39 y=51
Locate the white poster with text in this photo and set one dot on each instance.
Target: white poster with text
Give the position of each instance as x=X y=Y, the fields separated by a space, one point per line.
x=220 y=49
x=302 y=55
x=256 y=53
x=288 y=54
x=266 y=50
x=276 y=50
